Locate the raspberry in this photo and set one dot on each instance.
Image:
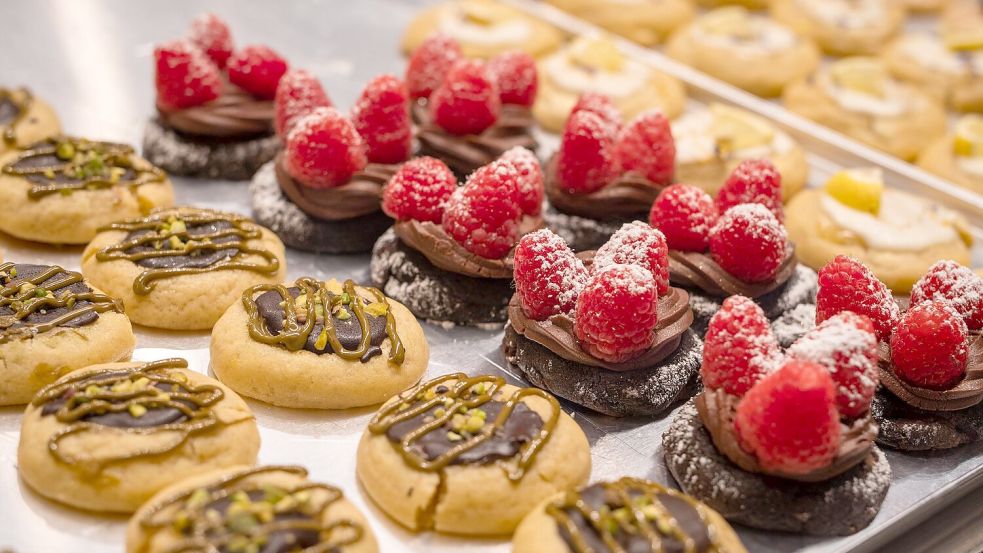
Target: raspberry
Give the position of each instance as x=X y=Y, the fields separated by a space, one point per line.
x=845 y=284
x=213 y=37
x=548 y=276
x=753 y=181
x=788 y=420
x=958 y=285
x=636 y=243
x=846 y=346
x=516 y=77
x=257 y=70
x=530 y=179
x=739 y=348
x=930 y=346
x=382 y=116
x=616 y=313
x=429 y=64
x=324 y=150
x=466 y=102
x=185 y=76
x=419 y=190
x=749 y=243
x=685 y=214
x=646 y=146
x=601 y=105
x=483 y=215
x=583 y=163
x=298 y=94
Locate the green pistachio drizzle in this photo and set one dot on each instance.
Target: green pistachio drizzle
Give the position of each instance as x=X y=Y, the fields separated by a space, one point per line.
x=23 y=104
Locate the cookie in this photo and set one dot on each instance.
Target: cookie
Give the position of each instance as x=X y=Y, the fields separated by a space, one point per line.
x=871 y=23
x=647 y=23
x=583 y=233
x=925 y=60
x=909 y=428
x=108 y=437
x=957 y=157
x=207 y=158
x=24 y=119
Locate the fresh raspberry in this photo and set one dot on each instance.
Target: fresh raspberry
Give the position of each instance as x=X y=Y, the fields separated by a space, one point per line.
x=430 y=62
x=213 y=37
x=548 y=276
x=516 y=76
x=846 y=345
x=530 y=179
x=685 y=214
x=419 y=190
x=616 y=313
x=637 y=243
x=382 y=116
x=753 y=181
x=324 y=150
x=930 y=346
x=483 y=215
x=298 y=94
x=467 y=101
x=583 y=163
x=845 y=284
x=601 y=105
x=739 y=348
x=185 y=76
x=257 y=70
x=956 y=284
x=749 y=243
x=788 y=420
x=646 y=146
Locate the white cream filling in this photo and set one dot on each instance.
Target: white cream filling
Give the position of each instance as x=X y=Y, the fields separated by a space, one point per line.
x=905 y=223
x=577 y=78
x=892 y=104
x=846 y=14
x=512 y=31
x=696 y=143
x=766 y=37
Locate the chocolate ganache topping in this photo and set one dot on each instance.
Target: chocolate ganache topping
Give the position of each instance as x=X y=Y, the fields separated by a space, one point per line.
x=633 y=516
x=39 y=298
x=465 y=153
x=233 y=115
x=64 y=165
x=457 y=420
x=699 y=270
x=359 y=196
x=628 y=195
x=242 y=512
x=349 y=322
x=718 y=409
x=967 y=393
x=14 y=105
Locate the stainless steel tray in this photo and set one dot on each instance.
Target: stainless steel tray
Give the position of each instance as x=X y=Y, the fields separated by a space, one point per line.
x=94 y=65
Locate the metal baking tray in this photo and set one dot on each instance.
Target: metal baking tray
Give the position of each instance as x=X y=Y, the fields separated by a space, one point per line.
x=100 y=81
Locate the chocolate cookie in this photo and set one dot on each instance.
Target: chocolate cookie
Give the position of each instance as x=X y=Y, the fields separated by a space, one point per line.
x=207 y=157
x=908 y=428
x=794 y=323
x=843 y=505
x=582 y=233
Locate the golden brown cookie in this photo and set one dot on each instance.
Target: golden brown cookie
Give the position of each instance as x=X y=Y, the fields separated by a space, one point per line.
x=843 y=27
x=646 y=22
x=957 y=158
x=948 y=69
x=24 y=119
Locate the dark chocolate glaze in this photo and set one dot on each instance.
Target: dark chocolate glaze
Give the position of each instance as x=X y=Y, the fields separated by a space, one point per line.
x=26 y=272
x=279 y=541
x=196 y=260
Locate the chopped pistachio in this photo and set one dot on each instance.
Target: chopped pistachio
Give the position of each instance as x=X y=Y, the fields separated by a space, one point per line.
x=137 y=410
x=273 y=494
x=242 y=523
x=404 y=406
x=454 y=437
x=198 y=498
x=439 y=412
x=65 y=151
x=343 y=315
x=429 y=394
x=474 y=424
x=176 y=243
x=346 y=298
x=377 y=309
x=49 y=173
x=70 y=303
x=13 y=271
x=93 y=389
x=322 y=340
x=182 y=521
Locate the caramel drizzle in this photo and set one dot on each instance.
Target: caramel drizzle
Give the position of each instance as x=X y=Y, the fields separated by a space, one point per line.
x=463 y=395
x=638 y=523
x=209 y=536
x=242 y=229
x=113 y=156
x=9 y=130
x=295 y=334
x=199 y=418
x=25 y=301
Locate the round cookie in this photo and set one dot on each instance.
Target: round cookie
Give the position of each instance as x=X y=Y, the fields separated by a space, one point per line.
x=940 y=158
x=253 y=354
x=582 y=233
x=908 y=428
x=108 y=437
x=476 y=472
x=868 y=23
x=207 y=158
x=169 y=270
x=24 y=119
x=62 y=325
x=644 y=22
x=301 y=514
x=62 y=189
x=924 y=60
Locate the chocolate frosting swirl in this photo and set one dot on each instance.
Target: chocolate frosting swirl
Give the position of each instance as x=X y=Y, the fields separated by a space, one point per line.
x=699 y=270
x=628 y=195
x=718 y=409
x=359 y=196
x=234 y=114
x=967 y=393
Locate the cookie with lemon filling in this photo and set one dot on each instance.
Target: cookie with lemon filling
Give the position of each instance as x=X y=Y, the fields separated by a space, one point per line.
x=947 y=63
x=646 y=22
x=958 y=157
x=842 y=27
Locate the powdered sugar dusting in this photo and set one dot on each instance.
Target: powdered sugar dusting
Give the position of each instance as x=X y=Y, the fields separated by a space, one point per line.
x=637 y=243
x=955 y=284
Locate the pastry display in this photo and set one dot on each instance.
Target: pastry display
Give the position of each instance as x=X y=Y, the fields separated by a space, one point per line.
x=323 y=192
x=25 y=119
x=448 y=257
x=597 y=64
x=181 y=268
x=61 y=189
x=107 y=437
x=214 y=104
x=469 y=455
x=859 y=98
x=958 y=157
x=783 y=442
x=629 y=514
x=318 y=344
x=949 y=64
x=52 y=323
x=646 y=22
x=897 y=234
x=591 y=335
x=843 y=27
x=242 y=509
x=485 y=28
